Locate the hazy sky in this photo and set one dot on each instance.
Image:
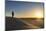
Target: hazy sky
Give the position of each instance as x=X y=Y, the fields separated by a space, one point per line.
x=24 y=9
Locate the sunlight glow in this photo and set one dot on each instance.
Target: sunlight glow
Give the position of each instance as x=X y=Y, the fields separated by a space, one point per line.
x=38 y=13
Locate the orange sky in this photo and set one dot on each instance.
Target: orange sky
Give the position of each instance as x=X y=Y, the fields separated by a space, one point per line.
x=35 y=13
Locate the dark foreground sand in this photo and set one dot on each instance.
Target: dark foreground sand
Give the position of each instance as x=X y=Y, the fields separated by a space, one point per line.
x=16 y=24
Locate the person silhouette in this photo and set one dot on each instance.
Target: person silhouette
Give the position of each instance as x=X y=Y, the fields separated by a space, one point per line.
x=12 y=14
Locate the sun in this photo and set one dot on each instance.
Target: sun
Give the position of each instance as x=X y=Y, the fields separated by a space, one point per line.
x=37 y=13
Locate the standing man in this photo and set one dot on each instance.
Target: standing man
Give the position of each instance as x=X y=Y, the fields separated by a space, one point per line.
x=12 y=14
